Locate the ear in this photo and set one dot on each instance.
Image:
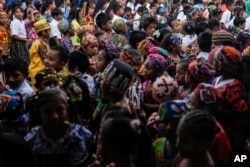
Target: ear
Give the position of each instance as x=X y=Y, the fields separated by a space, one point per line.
x=61 y=64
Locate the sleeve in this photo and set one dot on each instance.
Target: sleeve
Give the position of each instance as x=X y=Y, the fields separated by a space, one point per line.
x=83 y=139
x=55 y=31
x=14 y=28
x=31 y=136
x=224 y=18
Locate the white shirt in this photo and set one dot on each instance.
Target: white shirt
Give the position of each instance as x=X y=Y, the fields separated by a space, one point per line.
x=89 y=80
x=136 y=24
x=117 y=17
x=25 y=90
x=132 y=6
x=247 y=26
x=54 y=31
x=226 y=18
x=17 y=28
x=203 y=55
x=188 y=39
x=181 y=16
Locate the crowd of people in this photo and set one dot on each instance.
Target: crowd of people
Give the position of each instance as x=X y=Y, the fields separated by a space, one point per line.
x=124 y=83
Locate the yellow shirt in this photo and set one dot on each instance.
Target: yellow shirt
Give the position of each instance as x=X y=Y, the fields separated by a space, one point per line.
x=37 y=51
x=75 y=38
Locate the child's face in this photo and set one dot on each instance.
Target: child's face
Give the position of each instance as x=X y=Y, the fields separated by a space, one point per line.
x=129 y=13
x=54 y=112
x=37 y=17
x=120 y=12
x=53 y=60
x=231 y=7
x=153 y=9
x=52 y=6
x=176 y=26
x=150 y=73
x=101 y=62
x=14 y=78
x=180 y=74
x=48 y=82
x=91 y=50
x=107 y=26
x=100 y=39
x=19 y=14
x=151 y=29
x=3 y=20
x=59 y=17
x=242 y=26
x=46 y=34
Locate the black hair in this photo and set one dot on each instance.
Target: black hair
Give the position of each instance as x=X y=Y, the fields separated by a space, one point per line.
x=229 y=2
x=127 y=9
x=16 y=64
x=185 y=62
x=79 y=60
x=200 y=124
x=205 y=41
x=176 y=1
x=170 y=21
x=148 y=21
x=246 y=59
x=48 y=2
x=115 y=111
x=130 y=138
x=74 y=14
x=216 y=12
x=109 y=55
x=56 y=12
x=62 y=52
x=237 y=11
x=162 y=33
x=239 y=21
x=98 y=33
x=167 y=43
x=188 y=27
x=39 y=77
x=116 y=8
x=136 y=37
x=152 y=5
x=142 y=9
x=242 y=39
x=102 y=19
x=183 y=2
x=212 y=23
x=200 y=19
x=239 y=3
x=200 y=27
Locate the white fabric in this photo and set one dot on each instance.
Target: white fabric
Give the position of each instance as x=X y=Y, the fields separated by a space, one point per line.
x=132 y=6
x=89 y=80
x=25 y=90
x=17 y=28
x=188 y=39
x=54 y=31
x=136 y=24
x=117 y=17
x=203 y=55
x=226 y=18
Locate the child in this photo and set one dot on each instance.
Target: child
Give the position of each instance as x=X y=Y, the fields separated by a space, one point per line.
x=141 y=10
x=104 y=58
x=56 y=59
x=239 y=23
x=55 y=34
x=39 y=49
x=102 y=40
x=19 y=38
x=162 y=15
x=89 y=46
x=4 y=35
x=214 y=25
x=55 y=141
x=89 y=25
x=119 y=39
x=32 y=17
x=16 y=72
x=67 y=29
x=194 y=136
x=227 y=16
x=104 y=22
x=49 y=5
x=205 y=44
x=149 y=25
x=175 y=25
x=190 y=35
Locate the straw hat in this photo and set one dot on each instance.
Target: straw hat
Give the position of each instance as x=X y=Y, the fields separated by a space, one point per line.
x=41 y=25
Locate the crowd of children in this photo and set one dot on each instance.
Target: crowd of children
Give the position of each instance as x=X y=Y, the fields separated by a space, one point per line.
x=124 y=83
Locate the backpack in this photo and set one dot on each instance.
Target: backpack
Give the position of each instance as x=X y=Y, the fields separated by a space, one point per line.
x=79 y=97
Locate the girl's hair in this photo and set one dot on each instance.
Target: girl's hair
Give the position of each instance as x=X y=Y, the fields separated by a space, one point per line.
x=15 y=9
x=167 y=43
x=89 y=2
x=62 y=52
x=200 y=124
x=148 y=21
x=16 y=64
x=185 y=62
x=136 y=37
x=102 y=19
x=108 y=54
x=130 y=138
x=48 y=2
x=188 y=27
x=74 y=14
x=78 y=60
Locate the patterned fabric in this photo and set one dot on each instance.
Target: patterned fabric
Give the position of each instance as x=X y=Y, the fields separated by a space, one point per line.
x=74 y=144
x=76 y=40
x=156 y=62
x=119 y=25
x=63 y=26
x=228 y=55
x=109 y=36
x=63 y=75
x=145 y=45
x=222 y=36
x=201 y=70
x=208 y=95
x=164 y=88
x=4 y=40
x=67 y=44
x=172 y=108
x=160 y=147
x=88 y=23
x=158 y=50
x=88 y=39
x=233 y=92
x=153 y=121
x=19 y=49
x=132 y=57
x=31 y=32
x=116 y=39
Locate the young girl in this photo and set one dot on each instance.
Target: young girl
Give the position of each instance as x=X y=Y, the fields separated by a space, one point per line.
x=56 y=141
x=4 y=35
x=75 y=15
x=104 y=58
x=67 y=29
x=49 y=5
x=19 y=38
x=194 y=135
x=88 y=17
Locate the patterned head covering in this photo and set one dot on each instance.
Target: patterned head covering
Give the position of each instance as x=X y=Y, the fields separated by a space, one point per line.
x=228 y=55
x=11 y=103
x=153 y=121
x=162 y=10
x=119 y=25
x=158 y=50
x=164 y=88
x=172 y=108
x=44 y=74
x=246 y=51
x=145 y=45
x=119 y=75
x=41 y=25
x=156 y=62
x=88 y=39
x=208 y=95
x=201 y=70
x=3 y=14
x=132 y=57
x=176 y=38
x=63 y=26
x=222 y=37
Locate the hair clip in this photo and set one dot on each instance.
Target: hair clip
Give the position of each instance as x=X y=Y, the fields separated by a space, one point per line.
x=157 y=33
x=176 y=38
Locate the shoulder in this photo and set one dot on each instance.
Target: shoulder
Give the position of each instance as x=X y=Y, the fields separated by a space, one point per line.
x=81 y=134
x=33 y=134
